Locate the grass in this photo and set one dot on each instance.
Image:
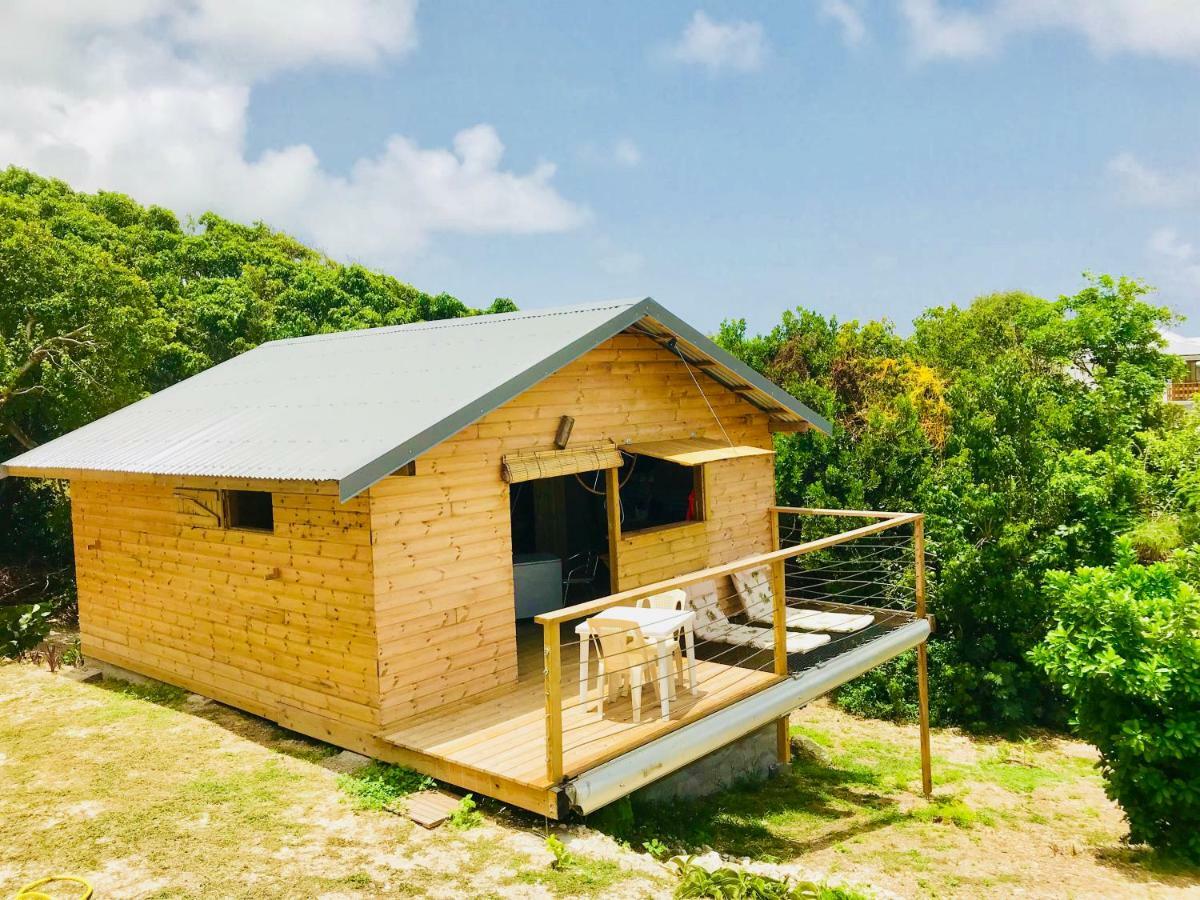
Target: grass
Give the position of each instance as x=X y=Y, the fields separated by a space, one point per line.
x=858 y=813
x=378 y=784
x=582 y=877
x=148 y=793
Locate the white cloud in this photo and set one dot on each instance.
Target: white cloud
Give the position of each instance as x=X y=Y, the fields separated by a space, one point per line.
x=1143 y=185
x=848 y=17
x=626 y=153
x=1166 y=242
x=623 y=153
x=1175 y=263
x=736 y=45
x=151 y=97
x=938 y=34
x=1165 y=28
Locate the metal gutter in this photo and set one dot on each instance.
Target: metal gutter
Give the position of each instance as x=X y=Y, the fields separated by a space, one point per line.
x=622 y=776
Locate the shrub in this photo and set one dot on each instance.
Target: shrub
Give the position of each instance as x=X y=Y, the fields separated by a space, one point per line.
x=1126 y=652
x=23 y=627
x=377 y=784
x=466 y=815
x=1156 y=538
x=737 y=884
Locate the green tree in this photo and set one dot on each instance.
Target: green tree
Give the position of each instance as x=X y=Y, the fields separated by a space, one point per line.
x=103 y=300
x=1125 y=649
x=1015 y=423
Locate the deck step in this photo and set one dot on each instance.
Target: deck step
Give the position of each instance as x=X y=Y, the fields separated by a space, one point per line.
x=430 y=808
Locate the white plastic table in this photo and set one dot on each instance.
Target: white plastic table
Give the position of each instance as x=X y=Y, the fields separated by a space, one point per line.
x=657 y=625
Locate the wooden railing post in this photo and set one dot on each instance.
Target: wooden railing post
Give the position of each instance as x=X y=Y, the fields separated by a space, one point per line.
x=922 y=657
x=783 y=741
x=554 y=718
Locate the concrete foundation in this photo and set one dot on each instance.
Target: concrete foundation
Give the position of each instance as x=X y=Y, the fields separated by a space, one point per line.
x=116 y=673
x=750 y=758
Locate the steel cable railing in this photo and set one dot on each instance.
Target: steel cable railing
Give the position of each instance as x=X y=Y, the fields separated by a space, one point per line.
x=868 y=569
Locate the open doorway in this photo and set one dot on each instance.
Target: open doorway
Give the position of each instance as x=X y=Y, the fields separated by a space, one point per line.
x=559 y=540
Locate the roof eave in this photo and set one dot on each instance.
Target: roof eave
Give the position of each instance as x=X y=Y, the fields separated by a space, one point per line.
x=377 y=469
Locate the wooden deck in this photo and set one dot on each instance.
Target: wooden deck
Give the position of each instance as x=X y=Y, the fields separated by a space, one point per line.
x=502 y=732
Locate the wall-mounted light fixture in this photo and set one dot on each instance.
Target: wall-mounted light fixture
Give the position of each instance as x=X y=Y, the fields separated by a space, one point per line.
x=565 y=424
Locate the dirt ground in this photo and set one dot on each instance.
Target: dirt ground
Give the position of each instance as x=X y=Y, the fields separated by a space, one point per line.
x=153 y=793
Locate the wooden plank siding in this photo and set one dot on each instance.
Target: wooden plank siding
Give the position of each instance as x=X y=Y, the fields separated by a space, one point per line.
x=442 y=537
x=351 y=618
x=268 y=622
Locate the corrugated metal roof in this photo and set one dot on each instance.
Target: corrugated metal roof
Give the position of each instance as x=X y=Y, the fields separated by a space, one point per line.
x=355 y=406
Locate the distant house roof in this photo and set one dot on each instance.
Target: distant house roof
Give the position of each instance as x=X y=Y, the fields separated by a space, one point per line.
x=1179 y=345
x=353 y=407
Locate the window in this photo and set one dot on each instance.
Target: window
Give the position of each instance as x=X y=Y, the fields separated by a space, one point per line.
x=659 y=492
x=249 y=509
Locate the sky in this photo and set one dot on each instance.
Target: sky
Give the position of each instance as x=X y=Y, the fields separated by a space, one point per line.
x=864 y=158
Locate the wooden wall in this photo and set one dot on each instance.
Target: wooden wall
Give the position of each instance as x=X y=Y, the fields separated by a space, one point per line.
x=352 y=617
x=443 y=554
x=282 y=624
x=737 y=494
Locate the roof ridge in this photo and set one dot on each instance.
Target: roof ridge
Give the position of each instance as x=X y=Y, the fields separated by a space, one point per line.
x=458 y=322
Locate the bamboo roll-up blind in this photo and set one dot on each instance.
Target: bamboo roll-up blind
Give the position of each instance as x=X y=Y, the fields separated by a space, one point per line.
x=527 y=465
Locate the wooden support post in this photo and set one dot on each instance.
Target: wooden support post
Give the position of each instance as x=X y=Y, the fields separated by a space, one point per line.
x=612 y=497
x=554 y=713
x=783 y=741
x=922 y=657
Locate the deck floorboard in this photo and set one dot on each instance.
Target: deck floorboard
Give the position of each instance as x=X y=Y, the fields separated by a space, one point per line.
x=502 y=731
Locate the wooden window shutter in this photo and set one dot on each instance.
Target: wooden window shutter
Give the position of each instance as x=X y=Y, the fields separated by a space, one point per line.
x=526 y=465
x=200 y=507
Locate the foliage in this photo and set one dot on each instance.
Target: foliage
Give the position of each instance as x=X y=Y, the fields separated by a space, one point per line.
x=562 y=856
x=377 y=784
x=23 y=627
x=103 y=300
x=656 y=848
x=1156 y=538
x=466 y=815
x=737 y=884
x=575 y=876
x=1125 y=649
x=1024 y=428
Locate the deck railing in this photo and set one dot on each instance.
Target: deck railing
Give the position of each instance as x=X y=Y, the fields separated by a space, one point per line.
x=1182 y=391
x=876 y=568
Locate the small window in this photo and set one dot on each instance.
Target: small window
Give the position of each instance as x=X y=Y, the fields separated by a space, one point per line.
x=659 y=493
x=249 y=509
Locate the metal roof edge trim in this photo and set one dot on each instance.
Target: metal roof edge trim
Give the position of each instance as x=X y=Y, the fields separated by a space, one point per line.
x=729 y=361
x=353 y=484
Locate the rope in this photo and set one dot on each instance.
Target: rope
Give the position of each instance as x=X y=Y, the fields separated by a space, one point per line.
x=673 y=346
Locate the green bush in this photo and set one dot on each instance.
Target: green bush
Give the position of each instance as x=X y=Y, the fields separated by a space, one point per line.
x=23 y=627
x=1126 y=652
x=377 y=784
x=737 y=884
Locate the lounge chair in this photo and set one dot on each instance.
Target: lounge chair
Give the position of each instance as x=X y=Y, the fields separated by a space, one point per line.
x=713 y=625
x=758 y=598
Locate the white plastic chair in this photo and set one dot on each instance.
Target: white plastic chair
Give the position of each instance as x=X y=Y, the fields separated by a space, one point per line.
x=677 y=600
x=626 y=656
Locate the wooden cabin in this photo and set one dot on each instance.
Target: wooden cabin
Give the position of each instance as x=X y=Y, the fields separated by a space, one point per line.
x=369 y=538
x=1185 y=389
